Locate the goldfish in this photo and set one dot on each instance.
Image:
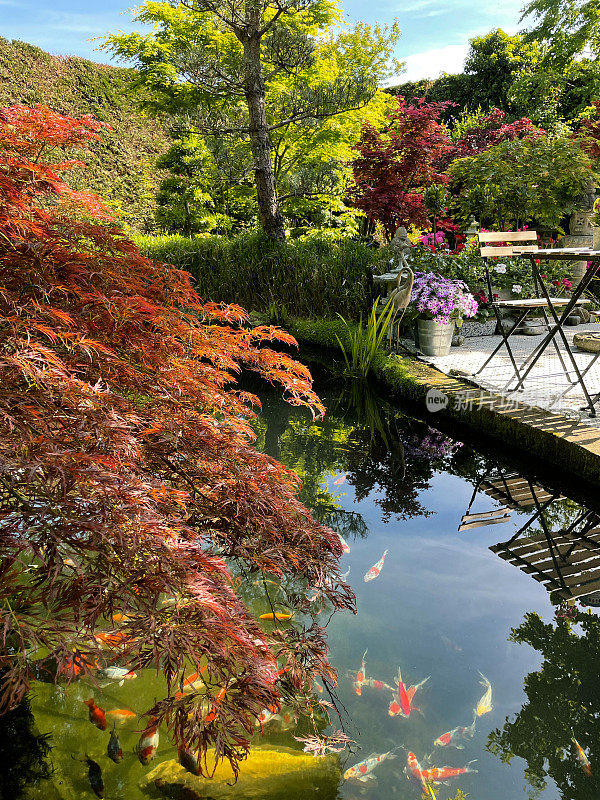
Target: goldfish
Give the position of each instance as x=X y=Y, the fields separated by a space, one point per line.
x=318 y=687
x=402 y=702
x=344 y=543
x=484 y=706
x=95 y=777
x=360 y=676
x=375 y=569
x=582 y=758
x=212 y=714
x=339 y=481
x=450 y=738
x=415 y=770
x=146 y=747
x=362 y=770
x=97 y=717
x=373 y=683
x=276 y=616
x=121 y=617
x=267 y=715
x=114 y=750
x=441 y=774
x=111 y=639
x=121 y=714
x=194 y=681
x=120 y=674
x=188 y=761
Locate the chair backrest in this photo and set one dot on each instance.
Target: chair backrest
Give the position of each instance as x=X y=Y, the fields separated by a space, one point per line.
x=504 y=243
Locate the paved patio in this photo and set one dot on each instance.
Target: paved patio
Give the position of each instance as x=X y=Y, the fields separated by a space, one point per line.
x=545 y=384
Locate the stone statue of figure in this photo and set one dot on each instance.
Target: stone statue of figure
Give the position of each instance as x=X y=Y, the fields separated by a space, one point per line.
x=400 y=247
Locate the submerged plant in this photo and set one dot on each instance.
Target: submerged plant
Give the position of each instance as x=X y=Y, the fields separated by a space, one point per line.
x=129 y=489
x=365 y=340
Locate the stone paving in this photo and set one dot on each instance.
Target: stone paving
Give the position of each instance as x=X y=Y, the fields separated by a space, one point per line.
x=545 y=384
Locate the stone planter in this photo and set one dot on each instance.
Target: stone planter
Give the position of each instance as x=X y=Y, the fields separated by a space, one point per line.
x=435 y=339
x=471 y=327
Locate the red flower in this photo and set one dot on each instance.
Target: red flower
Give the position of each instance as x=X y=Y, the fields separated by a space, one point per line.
x=567 y=284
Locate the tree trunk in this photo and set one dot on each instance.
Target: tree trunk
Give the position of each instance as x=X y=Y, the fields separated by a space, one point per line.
x=260 y=141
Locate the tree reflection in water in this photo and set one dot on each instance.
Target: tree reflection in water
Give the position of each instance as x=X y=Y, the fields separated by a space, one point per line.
x=563 y=701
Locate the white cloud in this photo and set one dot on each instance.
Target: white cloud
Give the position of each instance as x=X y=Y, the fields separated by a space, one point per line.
x=431 y=63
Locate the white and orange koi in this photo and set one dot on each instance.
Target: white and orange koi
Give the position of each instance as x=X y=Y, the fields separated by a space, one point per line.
x=484 y=706
x=451 y=738
x=441 y=774
x=415 y=771
x=148 y=743
x=582 y=758
x=340 y=480
x=360 y=677
x=373 y=683
x=402 y=702
x=362 y=771
x=375 y=569
x=344 y=543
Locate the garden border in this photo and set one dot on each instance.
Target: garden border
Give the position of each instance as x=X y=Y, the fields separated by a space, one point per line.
x=558 y=439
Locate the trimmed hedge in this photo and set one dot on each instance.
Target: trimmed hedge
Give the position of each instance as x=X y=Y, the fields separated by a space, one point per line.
x=121 y=167
x=313 y=278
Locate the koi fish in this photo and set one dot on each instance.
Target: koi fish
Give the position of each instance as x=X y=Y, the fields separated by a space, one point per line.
x=114 y=750
x=441 y=774
x=119 y=674
x=415 y=771
x=276 y=616
x=339 y=481
x=484 y=706
x=266 y=715
x=344 y=543
x=121 y=617
x=362 y=770
x=188 y=761
x=97 y=717
x=402 y=702
x=373 y=683
x=95 y=777
x=450 y=738
x=375 y=569
x=318 y=687
x=194 y=681
x=121 y=714
x=582 y=758
x=360 y=677
x=212 y=714
x=146 y=747
x=111 y=639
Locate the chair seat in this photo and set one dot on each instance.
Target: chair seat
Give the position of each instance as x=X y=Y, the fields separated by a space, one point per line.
x=537 y=302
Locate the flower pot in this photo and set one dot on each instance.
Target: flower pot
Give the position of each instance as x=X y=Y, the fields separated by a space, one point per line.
x=595 y=238
x=435 y=338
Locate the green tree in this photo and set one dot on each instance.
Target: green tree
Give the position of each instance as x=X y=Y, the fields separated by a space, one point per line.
x=248 y=68
x=563 y=702
x=565 y=28
x=516 y=182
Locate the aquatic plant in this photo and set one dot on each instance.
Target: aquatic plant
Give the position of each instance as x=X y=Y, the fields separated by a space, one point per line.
x=365 y=340
x=128 y=483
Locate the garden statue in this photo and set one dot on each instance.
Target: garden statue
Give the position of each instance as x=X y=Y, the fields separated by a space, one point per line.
x=400 y=246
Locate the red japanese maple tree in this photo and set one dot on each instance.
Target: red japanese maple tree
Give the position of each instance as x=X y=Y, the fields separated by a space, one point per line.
x=127 y=475
x=394 y=164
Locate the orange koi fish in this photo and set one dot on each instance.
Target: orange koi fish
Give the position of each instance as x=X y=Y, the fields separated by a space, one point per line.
x=194 y=681
x=112 y=639
x=415 y=771
x=97 y=717
x=344 y=543
x=360 y=677
x=375 y=569
x=582 y=758
x=402 y=702
x=373 y=683
x=339 y=481
x=318 y=687
x=362 y=770
x=440 y=774
x=212 y=714
x=276 y=616
x=450 y=738
x=121 y=714
x=267 y=714
x=148 y=743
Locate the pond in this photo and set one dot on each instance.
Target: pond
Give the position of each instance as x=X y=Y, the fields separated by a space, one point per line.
x=439 y=614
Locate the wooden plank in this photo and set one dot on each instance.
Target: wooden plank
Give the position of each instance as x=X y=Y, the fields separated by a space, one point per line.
x=480 y=523
x=507 y=250
x=577 y=591
x=479 y=514
x=507 y=236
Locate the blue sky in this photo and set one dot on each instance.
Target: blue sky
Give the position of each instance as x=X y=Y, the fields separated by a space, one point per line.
x=435 y=33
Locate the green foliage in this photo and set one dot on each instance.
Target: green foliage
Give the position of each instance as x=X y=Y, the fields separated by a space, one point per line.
x=311 y=278
x=518 y=181
x=122 y=166
x=563 y=701
x=365 y=340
